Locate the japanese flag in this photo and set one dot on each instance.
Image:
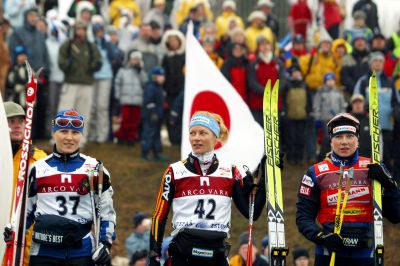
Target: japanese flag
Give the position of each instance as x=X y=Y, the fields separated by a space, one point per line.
x=206 y=89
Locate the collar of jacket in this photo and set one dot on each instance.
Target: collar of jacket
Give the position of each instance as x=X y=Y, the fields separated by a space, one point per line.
x=65 y=156
x=346 y=161
x=192 y=163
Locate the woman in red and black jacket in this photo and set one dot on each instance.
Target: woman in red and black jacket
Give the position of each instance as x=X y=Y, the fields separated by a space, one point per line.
x=263 y=68
x=234 y=68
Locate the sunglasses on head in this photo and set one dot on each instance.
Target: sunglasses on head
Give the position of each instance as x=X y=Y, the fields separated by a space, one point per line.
x=64 y=122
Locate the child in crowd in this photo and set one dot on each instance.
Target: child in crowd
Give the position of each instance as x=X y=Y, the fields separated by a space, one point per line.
x=17 y=77
x=328 y=102
x=129 y=84
x=152 y=114
x=297 y=105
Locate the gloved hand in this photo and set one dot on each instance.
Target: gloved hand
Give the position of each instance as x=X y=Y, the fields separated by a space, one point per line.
x=102 y=255
x=331 y=241
x=381 y=174
x=7 y=233
x=154 y=261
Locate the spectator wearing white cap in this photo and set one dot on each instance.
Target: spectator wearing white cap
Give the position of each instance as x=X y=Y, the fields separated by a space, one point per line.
x=257 y=27
x=271 y=21
x=228 y=14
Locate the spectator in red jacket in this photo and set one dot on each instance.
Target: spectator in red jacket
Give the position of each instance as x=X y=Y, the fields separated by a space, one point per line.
x=234 y=68
x=378 y=44
x=299 y=17
x=263 y=68
x=332 y=18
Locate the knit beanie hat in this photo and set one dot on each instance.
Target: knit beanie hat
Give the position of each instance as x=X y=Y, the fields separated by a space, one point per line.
x=244 y=239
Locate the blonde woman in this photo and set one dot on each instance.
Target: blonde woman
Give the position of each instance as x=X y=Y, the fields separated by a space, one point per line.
x=200 y=190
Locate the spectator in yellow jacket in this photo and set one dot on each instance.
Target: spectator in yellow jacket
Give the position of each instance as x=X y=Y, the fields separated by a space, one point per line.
x=185 y=5
x=257 y=27
x=129 y=8
x=315 y=66
x=223 y=20
x=16 y=122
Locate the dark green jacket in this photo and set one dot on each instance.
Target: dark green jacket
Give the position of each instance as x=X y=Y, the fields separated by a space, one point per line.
x=79 y=60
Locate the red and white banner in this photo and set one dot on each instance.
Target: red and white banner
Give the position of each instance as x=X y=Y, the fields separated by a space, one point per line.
x=207 y=89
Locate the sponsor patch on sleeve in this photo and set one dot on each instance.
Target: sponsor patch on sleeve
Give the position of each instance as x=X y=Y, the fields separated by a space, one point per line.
x=323 y=167
x=304 y=190
x=307 y=181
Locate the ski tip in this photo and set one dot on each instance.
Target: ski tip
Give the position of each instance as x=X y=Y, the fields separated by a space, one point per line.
x=373 y=74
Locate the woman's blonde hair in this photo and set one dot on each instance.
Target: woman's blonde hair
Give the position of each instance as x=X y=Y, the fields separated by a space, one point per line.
x=223 y=134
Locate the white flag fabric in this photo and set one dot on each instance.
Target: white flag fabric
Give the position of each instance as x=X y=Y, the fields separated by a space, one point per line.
x=206 y=89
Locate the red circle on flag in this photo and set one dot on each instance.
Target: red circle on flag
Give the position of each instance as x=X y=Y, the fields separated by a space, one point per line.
x=211 y=102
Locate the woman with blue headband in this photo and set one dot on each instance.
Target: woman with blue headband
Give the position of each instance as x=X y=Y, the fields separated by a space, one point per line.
x=200 y=190
x=60 y=206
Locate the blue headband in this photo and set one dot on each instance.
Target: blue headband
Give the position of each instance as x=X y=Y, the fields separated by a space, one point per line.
x=69 y=114
x=205 y=121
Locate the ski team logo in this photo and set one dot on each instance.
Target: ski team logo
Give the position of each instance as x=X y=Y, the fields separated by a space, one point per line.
x=354 y=193
x=364 y=163
x=307 y=181
x=306 y=191
x=323 y=167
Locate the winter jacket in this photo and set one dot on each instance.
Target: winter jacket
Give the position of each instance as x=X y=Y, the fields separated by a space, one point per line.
x=300 y=16
x=57 y=184
x=185 y=6
x=272 y=23
x=79 y=60
x=371 y=10
x=15 y=13
x=332 y=15
x=105 y=72
x=153 y=99
x=222 y=21
x=234 y=70
x=354 y=66
x=181 y=185
x=316 y=200
x=253 y=32
x=258 y=73
x=34 y=41
x=173 y=64
x=296 y=100
x=315 y=66
x=118 y=8
x=151 y=53
x=327 y=103
x=387 y=95
x=129 y=84
x=35 y=155
x=53 y=46
x=137 y=242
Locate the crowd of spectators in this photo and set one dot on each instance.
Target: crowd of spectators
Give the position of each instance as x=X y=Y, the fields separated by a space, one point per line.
x=124 y=65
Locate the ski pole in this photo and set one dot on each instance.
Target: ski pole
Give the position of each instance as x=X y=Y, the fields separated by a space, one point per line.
x=100 y=192
x=91 y=177
x=340 y=214
x=249 y=258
